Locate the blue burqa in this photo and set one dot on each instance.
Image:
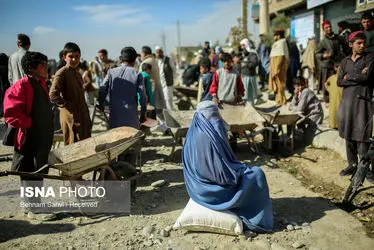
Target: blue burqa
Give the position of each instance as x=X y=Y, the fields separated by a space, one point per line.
x=214 y=179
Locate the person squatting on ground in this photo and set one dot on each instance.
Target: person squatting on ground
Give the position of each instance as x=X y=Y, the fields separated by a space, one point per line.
x=216 y=180
x=68 y=94
x=15 y=70
x=355 y=115
x=28 y=110
x=279 y=60
x=335 y=95
x=123 y=84
x=249 y=64
x=167 y=75
x=306 y=102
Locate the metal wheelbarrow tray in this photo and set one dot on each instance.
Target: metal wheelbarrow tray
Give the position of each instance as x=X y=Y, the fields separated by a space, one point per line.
x=92 y=154
x=240 y=119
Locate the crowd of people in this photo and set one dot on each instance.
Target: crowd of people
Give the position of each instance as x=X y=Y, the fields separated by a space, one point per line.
x=337 y=67
x=340 y=67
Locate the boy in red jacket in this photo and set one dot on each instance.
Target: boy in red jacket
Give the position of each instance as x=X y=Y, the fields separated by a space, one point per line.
x=27 y=109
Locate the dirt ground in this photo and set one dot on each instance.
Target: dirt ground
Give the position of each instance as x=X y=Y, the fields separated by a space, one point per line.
x=305 y=190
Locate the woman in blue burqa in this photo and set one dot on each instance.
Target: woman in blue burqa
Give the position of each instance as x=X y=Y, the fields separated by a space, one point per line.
x=214 y=179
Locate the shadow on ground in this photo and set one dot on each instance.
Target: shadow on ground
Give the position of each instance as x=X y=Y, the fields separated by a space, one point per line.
x=13 y=229
x=299 y=210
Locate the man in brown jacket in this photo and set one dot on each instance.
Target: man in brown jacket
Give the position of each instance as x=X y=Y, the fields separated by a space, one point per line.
x=68 y=94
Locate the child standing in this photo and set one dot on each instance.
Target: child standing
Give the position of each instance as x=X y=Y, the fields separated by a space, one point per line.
x=146 y=71
x=68 y=94
x=306 y=102
x=205 y=81
x=236 y=65
x=335 y=95
x=227 y=86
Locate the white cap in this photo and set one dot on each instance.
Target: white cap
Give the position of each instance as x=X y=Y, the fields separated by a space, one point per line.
x=158 y=47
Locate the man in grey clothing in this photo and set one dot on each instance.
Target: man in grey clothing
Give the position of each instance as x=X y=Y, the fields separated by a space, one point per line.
x=15 y=70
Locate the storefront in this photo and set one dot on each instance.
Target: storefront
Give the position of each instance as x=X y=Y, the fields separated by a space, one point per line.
x=303 y=27
x=337 y=11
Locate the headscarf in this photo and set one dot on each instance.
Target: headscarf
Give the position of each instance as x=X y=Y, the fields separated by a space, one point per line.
x=218 y=50
x=248 y=46
x=210 y=111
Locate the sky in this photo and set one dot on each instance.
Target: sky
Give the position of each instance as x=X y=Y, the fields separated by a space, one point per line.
x=114 y=24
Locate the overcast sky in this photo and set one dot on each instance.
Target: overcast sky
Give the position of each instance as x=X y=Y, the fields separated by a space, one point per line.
x=114 y=24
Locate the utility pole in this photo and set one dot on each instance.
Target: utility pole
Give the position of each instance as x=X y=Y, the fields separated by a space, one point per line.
x=163 y=39
x=245 y=17
x=179 y=42
x=264 y=16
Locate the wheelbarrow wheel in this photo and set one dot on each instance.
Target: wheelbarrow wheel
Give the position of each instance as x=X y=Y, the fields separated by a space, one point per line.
x=356 y=181
x=123 y=171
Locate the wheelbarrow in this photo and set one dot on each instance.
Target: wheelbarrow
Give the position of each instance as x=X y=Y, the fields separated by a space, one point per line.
x=94 y=154
x=275 y=117
x=242 y=121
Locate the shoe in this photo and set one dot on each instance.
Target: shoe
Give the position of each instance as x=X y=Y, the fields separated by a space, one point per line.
x=370 y=176
x=348 y=170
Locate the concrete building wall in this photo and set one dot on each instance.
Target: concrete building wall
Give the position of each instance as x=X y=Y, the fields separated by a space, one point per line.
x=364 y=5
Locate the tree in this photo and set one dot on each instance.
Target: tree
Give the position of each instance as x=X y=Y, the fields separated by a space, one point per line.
x=280 y=21
x=238 y=33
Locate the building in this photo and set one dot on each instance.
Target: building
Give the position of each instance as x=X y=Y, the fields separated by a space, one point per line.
x=307 y=15
x=364 y=5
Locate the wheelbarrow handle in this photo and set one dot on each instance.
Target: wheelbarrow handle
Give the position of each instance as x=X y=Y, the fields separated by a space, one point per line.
x=3 y=173
x=6 y=158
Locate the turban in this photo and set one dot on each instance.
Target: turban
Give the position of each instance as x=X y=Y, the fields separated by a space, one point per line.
x=128 y=54
x=158 y=47
x=325 y=23
x=246 y=43
x=354 y=34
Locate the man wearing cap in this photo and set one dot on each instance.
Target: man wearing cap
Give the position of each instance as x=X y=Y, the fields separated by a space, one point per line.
x=15 y=70
x=167 y=75
x=123 y=84
x=329 y=51
x=367 y=22
x=355 y=75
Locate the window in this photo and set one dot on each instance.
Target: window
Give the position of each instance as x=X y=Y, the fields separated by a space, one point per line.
x=370 y=1
x=361 y=2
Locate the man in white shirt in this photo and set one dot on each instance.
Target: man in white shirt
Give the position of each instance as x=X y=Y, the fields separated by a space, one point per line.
x=15 y=70
x=167 y=75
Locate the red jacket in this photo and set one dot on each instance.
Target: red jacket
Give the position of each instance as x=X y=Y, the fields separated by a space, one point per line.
x=18 y=101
